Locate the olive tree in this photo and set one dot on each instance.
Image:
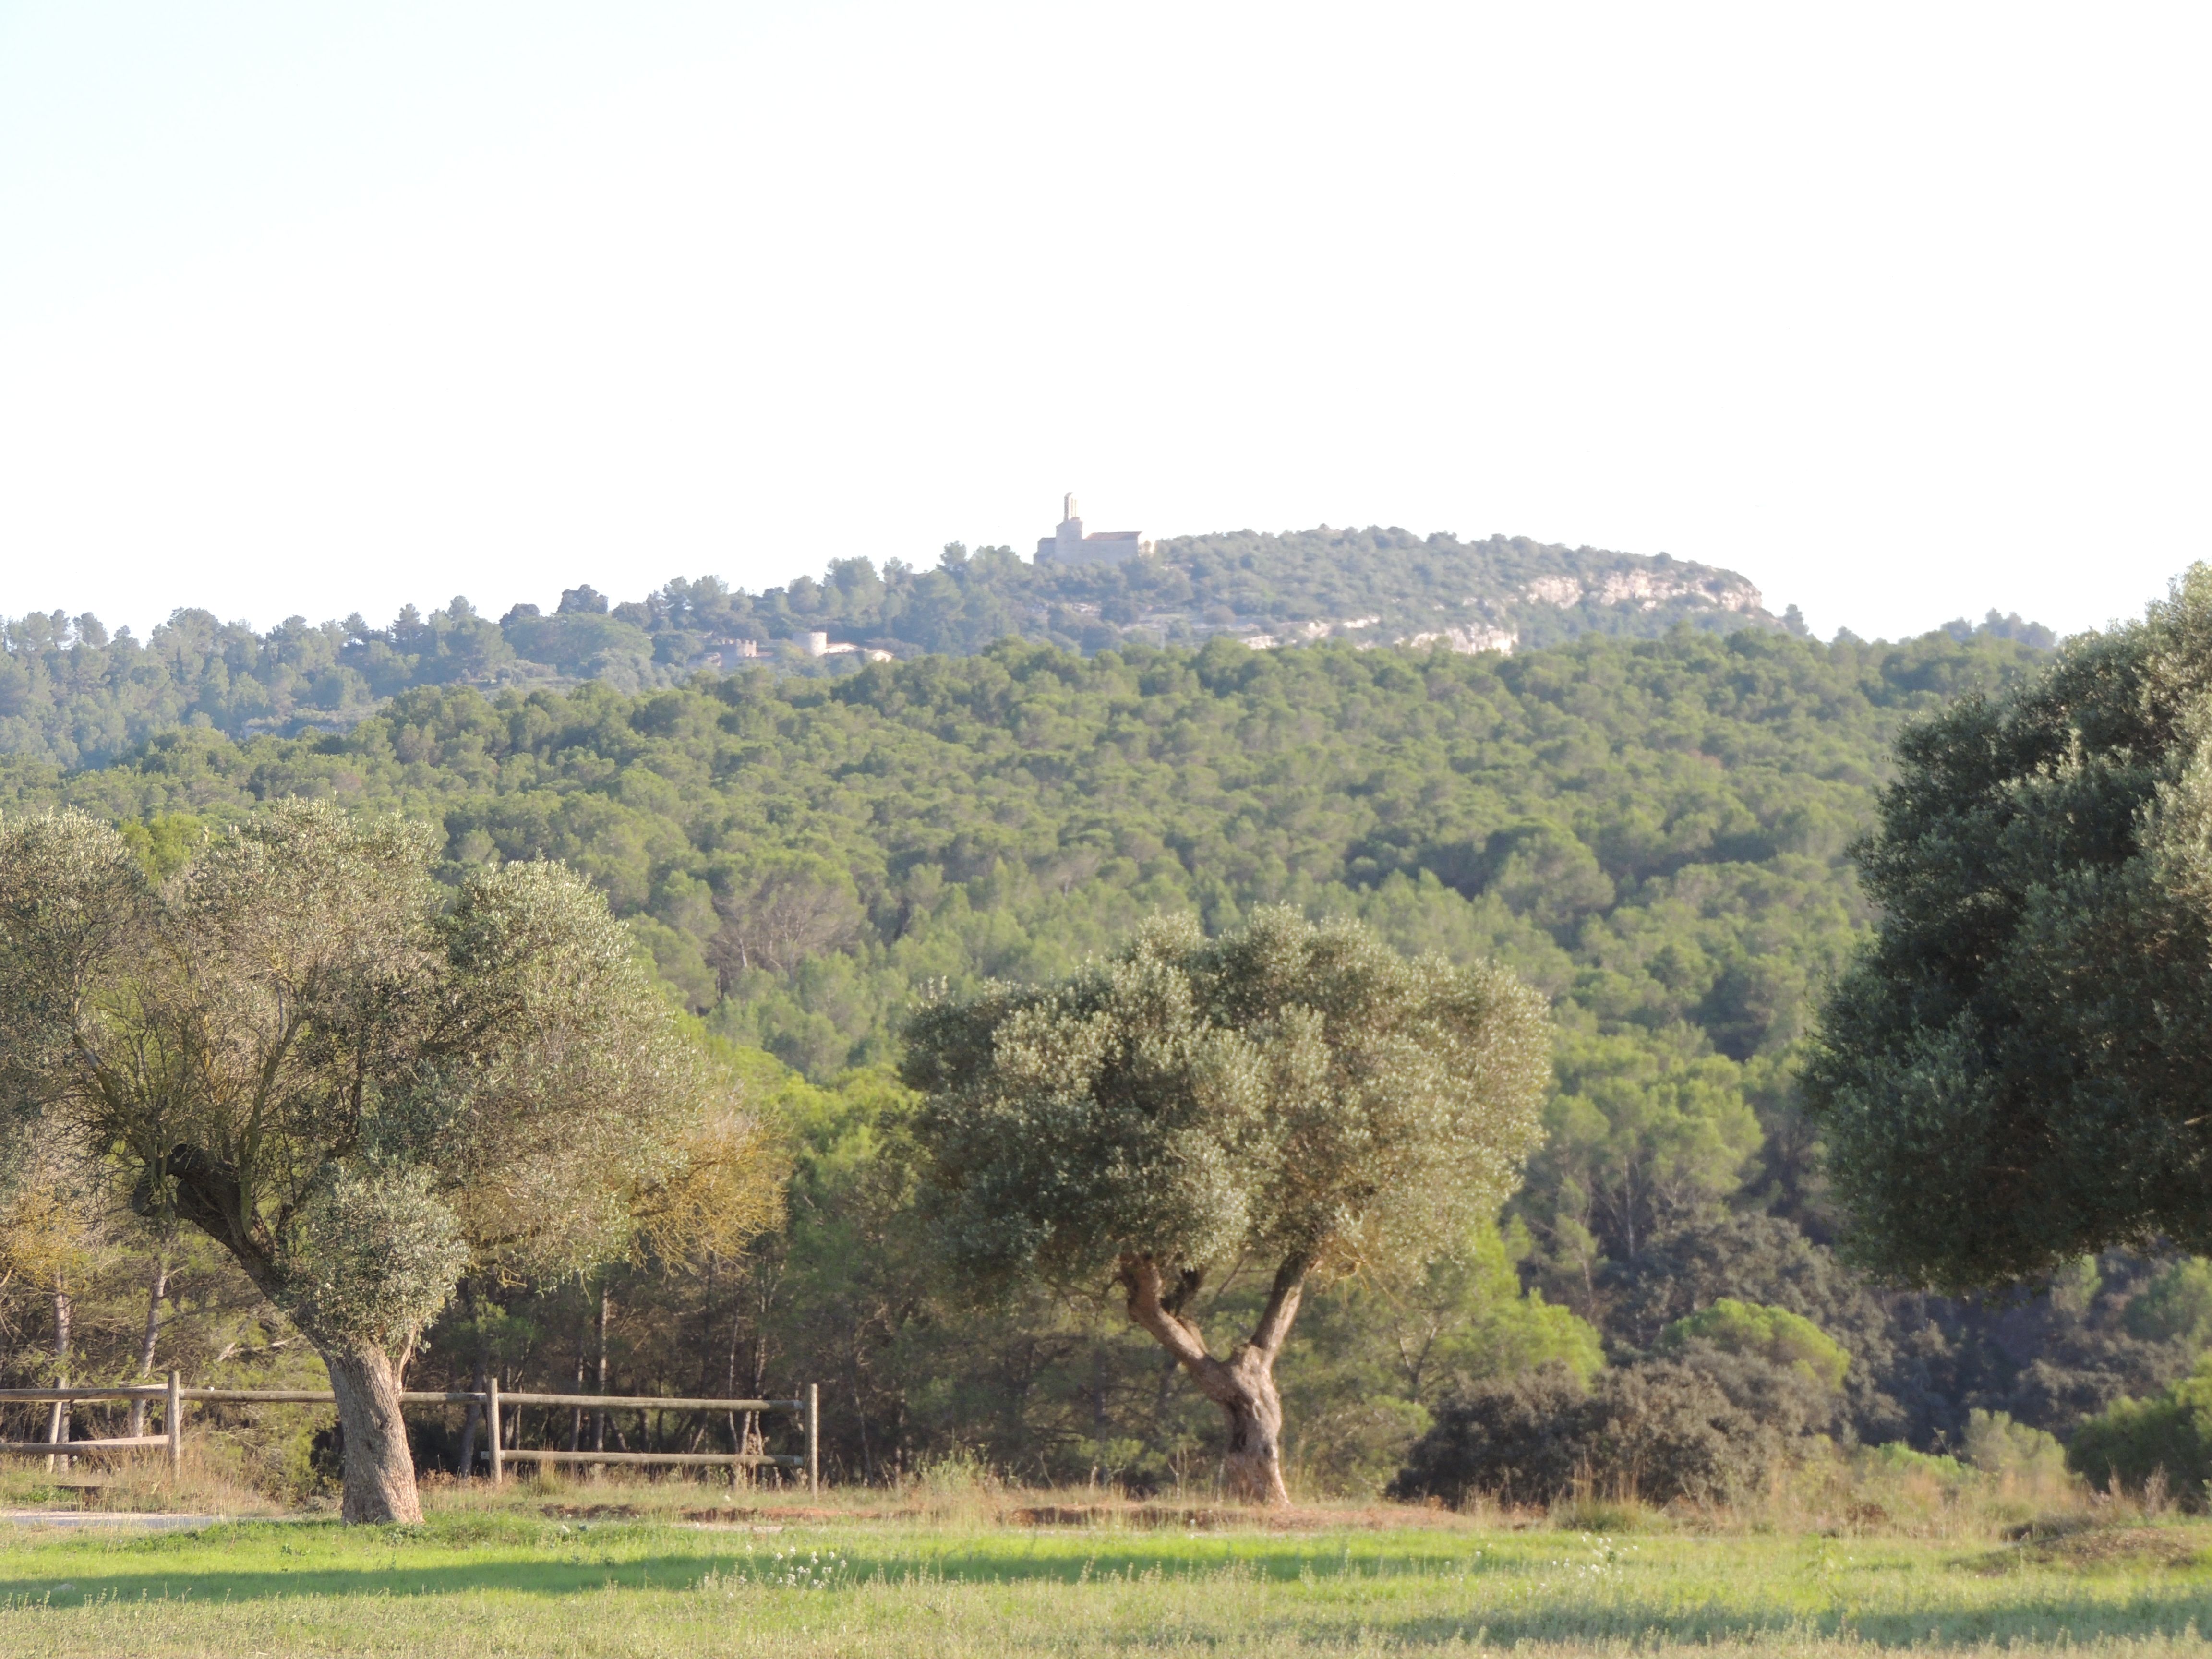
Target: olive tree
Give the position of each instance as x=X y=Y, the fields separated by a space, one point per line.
x=355 y=1083
x=2015 y=1071
x=1302 y=1097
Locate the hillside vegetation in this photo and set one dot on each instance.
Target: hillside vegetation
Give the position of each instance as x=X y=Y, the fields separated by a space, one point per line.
x=1653 y=831
x=72 y=694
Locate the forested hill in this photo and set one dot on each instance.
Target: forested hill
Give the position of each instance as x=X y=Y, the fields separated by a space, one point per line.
x=1375 y=585
x=73 y=694
x=1653 y=830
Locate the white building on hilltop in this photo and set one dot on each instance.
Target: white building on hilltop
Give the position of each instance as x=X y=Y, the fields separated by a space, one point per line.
x=817 y=643
x=1069 y=545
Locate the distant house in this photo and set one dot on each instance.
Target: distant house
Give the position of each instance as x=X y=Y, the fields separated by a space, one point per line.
x=1069 y=545
x=820 y=644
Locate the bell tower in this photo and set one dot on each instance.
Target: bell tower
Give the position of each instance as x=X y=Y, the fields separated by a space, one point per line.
x=1068 y=539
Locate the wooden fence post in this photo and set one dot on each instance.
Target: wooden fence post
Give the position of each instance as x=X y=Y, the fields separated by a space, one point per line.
x=492 y=1422
x=173 y=1419
x=814 y=1439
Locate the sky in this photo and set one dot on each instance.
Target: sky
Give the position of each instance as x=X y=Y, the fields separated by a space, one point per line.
x=310 y=308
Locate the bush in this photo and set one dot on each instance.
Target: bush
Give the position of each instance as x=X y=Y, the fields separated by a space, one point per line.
x=2176 y=1306
x=1524 y=1439
x=1491 y=1327
x=1785 y=1399
x=1774 y=1334
x=1895 y=1458
x=1669 y=1430
x=1661 y=1430
x=2132 y=1440
x=1997 y=1445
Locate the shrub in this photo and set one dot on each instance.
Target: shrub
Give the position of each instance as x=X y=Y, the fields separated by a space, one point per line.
x=1997 y=1445
x=1895 y=1458
x=2133 y=1440
x=1786 y=1398
x=1663 y=1430
x=2176 y=1306
x=1668 y=1430
x=1524 y=1439
x=1774 y=1334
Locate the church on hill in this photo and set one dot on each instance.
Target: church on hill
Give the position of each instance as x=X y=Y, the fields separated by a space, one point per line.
x=1069 y=545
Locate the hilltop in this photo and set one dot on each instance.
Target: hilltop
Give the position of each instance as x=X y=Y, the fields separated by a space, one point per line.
x=72 y=694
x=1376 y=586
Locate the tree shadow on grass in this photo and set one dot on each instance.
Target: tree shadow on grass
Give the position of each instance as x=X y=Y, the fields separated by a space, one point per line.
x=2167 y=1611
x=401 y=1578
x=2050 y=1608
x=163 y=1572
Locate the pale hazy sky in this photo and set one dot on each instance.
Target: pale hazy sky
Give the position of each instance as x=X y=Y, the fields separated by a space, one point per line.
x=1901 y=310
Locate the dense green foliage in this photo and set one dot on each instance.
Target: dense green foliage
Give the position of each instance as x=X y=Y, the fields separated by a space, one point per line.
x=2176 y=1306
x=1652 y=831
x=1301 y=1094
x=2166 y=1438
x=1663 y=1430
x=1299 y=1097
x=1788 y=1340
x=2014 y=1073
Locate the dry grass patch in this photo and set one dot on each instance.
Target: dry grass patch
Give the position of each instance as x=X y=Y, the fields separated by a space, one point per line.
x=2092 y=1543
x=212 y=1482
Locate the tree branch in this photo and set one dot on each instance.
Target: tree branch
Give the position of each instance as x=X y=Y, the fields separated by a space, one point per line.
x=1267 y=1336
x=1140 y=1277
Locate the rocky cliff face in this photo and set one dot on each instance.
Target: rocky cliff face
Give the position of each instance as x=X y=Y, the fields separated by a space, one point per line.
x=1391 y=587
x=1645 y=589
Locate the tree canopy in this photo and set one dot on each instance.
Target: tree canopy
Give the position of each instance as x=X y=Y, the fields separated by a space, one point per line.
x=2012 y=1073
x=1301 y=1097
x=297 y=1045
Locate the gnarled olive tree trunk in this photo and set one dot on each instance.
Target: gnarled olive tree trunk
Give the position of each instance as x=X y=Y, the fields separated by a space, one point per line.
x=380 y=1470
x=1243 y=1385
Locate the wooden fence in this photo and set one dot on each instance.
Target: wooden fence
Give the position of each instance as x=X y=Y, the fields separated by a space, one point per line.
x=173 y=1397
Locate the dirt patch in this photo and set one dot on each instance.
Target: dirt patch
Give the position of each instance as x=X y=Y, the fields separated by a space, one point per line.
x=731 y=1512
x=1057 y=1514
x=2046 y=1527
x=1151 y=1517
x=2086 y=1547
x=593 y=1511
x=1130 y=1515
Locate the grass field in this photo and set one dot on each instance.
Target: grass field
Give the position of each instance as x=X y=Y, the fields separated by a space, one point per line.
x=565 y=1573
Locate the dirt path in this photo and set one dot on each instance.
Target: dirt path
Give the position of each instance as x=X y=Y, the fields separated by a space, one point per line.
x=123 y=1518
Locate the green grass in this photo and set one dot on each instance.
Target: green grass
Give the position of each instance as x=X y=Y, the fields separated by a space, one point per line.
x=484 y=1580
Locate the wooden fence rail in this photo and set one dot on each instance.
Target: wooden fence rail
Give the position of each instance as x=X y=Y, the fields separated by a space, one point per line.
x=174 y=1396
